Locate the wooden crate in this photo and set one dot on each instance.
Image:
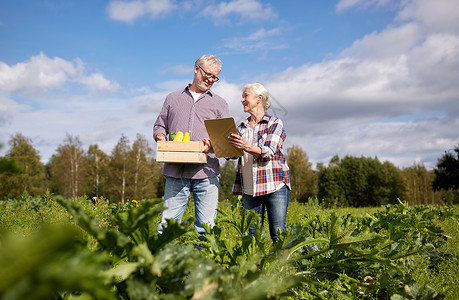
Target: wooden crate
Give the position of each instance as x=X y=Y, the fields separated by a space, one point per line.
x=180 y=152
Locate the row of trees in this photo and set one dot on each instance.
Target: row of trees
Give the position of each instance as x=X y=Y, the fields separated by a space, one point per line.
x=131 y=172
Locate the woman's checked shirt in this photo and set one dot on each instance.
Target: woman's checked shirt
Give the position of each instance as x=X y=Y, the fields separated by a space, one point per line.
x=270 y=170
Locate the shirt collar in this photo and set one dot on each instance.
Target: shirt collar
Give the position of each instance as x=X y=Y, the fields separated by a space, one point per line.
x=265 y=118
x=207 y=92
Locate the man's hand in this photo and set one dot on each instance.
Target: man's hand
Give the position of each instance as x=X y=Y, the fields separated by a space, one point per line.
x=160 y=137
x=207 y=146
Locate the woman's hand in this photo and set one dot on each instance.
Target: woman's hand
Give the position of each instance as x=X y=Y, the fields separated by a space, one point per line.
x=237 y=141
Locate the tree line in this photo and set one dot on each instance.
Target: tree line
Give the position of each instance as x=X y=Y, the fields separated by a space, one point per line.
x=130 y=172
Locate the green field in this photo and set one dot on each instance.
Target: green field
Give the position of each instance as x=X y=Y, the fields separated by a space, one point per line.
x=56 y=248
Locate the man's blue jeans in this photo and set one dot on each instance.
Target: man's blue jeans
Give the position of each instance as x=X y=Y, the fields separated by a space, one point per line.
x=176 y=195
x=276 y=205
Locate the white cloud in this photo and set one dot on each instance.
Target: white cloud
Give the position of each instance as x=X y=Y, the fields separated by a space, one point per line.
x=27 y=87
x=177 y=69
x=392 y=41
x=434 y=66
x=434 y=16
x=126 y=11
x=38 y=74
x=391 y=94
x=129 y=11
x=96 y=82
x=337 y=93
x=181 y=69
x=403 y=143
x=41 y=73
x=263 y=33
x=94 y=122
x=173 y=85
x=101 y=133
x=245 y=10
x=150 y=102
x=344 y=5
x=258 y=40
x=232 y=94
x=9 y=108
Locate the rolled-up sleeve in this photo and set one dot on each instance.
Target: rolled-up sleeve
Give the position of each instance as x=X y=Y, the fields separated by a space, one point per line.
x=160 y=125
x=271 y=141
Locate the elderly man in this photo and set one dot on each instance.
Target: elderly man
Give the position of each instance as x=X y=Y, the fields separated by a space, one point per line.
x=186 y=110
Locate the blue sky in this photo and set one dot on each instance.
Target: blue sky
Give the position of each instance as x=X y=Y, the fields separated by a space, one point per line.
x=350 y=77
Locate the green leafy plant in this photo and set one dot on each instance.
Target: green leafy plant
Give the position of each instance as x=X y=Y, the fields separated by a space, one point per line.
x=363 y=255
x=50 y=263
x=115 y=252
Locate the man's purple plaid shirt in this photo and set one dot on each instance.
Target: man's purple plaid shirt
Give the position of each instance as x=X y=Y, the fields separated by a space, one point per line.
x=181 y=113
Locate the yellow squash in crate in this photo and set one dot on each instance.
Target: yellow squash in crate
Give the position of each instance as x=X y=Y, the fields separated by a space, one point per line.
x=186 y=137
x=178 y=136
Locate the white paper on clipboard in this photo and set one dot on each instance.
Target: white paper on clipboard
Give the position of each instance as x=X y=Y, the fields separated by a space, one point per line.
x=219 y=129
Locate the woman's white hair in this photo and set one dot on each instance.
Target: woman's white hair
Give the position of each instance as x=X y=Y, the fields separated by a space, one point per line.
x=259 y=89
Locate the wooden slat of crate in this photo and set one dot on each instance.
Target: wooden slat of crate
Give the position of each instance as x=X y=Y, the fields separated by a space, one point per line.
x=170 y=146
x=181 y=152
x=181 y=157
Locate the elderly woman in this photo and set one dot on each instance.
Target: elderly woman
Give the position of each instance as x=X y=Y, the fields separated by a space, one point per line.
x=263 y=175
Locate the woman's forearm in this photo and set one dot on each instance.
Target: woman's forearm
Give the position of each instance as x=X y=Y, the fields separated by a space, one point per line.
x=253 y=149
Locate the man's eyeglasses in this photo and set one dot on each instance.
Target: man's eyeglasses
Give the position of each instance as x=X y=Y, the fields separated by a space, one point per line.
x=209 y=76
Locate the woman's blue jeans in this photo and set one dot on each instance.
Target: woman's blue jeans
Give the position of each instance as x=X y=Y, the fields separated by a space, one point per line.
x=276 y=205
x=176 y=195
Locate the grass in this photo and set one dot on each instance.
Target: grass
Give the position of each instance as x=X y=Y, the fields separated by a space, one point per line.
x=444 y=277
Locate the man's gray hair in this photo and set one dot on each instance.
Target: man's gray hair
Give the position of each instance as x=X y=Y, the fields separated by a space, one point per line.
x=209 y=59
x=259 y=89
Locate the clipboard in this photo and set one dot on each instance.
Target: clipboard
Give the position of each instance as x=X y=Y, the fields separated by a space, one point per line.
x=218 y=130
